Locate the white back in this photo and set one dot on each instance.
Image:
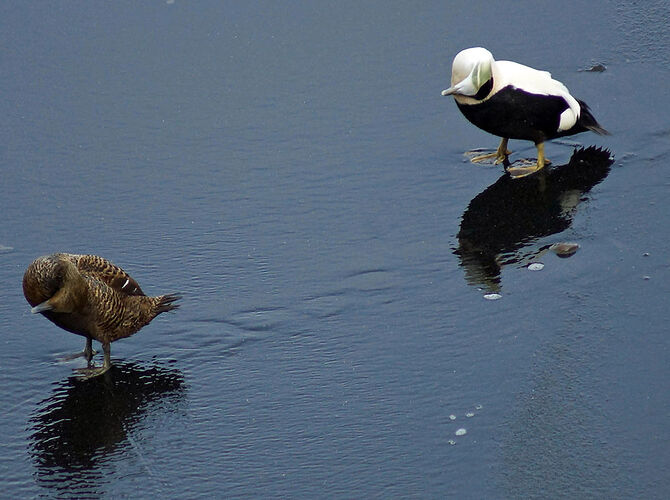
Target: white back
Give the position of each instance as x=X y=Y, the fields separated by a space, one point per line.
x=536 y=82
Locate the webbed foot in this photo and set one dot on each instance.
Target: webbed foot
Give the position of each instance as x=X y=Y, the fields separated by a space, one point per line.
x=500 y=155
x=525 y=167
x=83 y=354
x=529 y=167
x=519 y=171
x=87 y=353
x=491 y=158
x=90 y=372
x=94 y=371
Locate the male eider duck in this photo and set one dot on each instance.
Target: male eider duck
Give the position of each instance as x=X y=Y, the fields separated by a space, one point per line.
x=90 y=296
x=513 y=101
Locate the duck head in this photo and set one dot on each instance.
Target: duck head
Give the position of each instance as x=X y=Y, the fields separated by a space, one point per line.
x=53 y=283
x=471 y=69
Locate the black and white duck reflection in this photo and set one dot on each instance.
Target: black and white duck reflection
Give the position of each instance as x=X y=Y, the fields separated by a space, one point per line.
x=508 y=223
x=514 y=101
x=82 y=425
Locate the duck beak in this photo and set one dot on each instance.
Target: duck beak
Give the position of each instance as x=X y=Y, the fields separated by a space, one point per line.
x=449 y=91
x=44 y=306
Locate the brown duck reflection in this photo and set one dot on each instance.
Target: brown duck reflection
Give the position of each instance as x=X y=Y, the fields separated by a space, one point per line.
x=510 y=215
x=84 y=424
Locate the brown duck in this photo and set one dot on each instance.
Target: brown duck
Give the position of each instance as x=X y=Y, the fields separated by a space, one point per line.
x=90 y=296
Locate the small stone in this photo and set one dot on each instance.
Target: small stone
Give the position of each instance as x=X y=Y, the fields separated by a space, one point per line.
x=492 y=296
x=596 y=68
x=469 y=414
x=564 y=249
x=536 y=266
x=478 y=407
x=452 y=417
x=461 y=432
x=451 y=442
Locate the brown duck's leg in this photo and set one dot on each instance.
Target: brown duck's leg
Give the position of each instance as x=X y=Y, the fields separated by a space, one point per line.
x=499 y=156
x=87 y=353
x=107 y=363
x=524 y=170
x=88 y=350
x=90 y=372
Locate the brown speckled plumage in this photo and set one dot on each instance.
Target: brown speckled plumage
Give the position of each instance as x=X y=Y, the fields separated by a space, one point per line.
x=90 y=296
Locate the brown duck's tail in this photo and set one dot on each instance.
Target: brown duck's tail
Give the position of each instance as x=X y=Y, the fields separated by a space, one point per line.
x=588 y=121
x=166 y=303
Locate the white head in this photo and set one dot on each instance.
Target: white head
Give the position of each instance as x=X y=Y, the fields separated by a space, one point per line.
x=471 y=69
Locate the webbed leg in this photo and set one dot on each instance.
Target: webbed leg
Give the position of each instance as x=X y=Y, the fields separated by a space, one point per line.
x=525 y=170
x=94 y=371
x=498 y=157
x=87 y=353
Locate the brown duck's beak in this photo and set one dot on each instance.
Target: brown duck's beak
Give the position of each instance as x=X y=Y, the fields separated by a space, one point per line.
x=44 y=306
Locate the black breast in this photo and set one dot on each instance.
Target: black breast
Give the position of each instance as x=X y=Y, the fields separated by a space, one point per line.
x=516 y=114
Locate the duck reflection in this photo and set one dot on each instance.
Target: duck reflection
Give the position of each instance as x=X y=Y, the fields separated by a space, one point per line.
x=507 y=217
x=85 y=423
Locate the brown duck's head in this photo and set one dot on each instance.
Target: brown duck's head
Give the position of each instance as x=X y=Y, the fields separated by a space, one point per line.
x=53 y=283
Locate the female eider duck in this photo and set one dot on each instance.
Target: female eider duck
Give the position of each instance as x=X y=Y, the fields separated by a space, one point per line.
x=90 y=296
x=513 y=101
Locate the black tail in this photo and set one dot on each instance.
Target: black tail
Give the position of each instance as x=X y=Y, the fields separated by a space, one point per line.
x=166 y=303
x=588 y=121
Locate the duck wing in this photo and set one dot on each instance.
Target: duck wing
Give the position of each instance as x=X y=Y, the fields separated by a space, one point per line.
x=101 y=269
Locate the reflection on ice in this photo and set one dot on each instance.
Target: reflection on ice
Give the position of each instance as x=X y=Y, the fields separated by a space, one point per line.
x=84 y=424
x=501 y=224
